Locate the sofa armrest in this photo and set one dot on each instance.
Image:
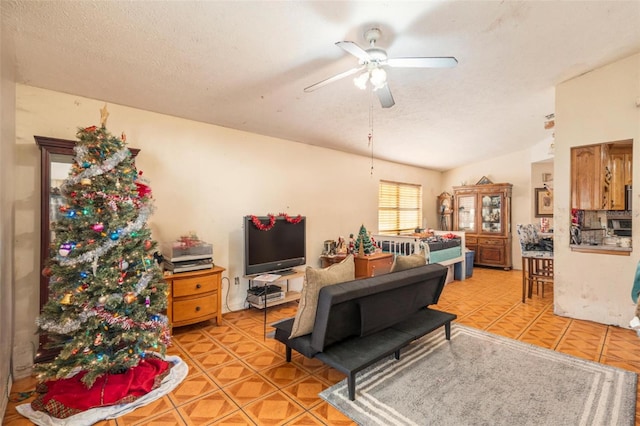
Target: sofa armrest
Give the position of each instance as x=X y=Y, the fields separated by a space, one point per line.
x=301 y=344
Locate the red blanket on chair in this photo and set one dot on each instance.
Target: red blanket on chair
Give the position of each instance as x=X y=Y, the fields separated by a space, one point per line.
x=65 y=397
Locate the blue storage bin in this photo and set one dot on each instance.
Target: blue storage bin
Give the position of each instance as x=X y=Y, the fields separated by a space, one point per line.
x=457 y=268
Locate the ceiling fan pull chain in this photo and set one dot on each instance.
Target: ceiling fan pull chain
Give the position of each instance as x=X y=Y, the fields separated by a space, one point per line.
x=371 y=129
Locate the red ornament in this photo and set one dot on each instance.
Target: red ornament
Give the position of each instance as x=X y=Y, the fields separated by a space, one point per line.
x=90 y=129
x=47 y=272
x=143 y=190
x=147 y=245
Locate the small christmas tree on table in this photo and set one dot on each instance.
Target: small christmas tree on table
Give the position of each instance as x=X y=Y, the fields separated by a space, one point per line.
x=106 y=291
x=364 y=245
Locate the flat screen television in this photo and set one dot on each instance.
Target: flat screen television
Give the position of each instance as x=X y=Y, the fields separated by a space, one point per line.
x=277 y=250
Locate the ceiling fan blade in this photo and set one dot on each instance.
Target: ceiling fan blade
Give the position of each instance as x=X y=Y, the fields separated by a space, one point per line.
x=436 y=62
x=355 y=50
x=385 y=96
x=332 y=79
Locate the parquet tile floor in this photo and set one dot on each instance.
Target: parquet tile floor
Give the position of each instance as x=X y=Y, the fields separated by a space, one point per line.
x=237 y=377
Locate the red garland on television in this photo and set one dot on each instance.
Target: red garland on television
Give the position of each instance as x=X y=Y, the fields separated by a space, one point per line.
x=272 y=221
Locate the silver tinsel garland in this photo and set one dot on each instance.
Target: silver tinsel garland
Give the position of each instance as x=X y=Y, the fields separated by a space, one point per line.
x=71 y=325
x=95 y=254
x=97 y=169
x=68 y=326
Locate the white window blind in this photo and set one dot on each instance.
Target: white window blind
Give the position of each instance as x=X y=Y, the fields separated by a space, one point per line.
x=399 y=207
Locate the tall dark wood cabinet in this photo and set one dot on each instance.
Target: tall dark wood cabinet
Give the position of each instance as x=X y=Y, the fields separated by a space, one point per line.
x=484 y=213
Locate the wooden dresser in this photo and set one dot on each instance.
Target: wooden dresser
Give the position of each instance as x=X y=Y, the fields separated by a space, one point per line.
x=194 y=296
x=374 y=264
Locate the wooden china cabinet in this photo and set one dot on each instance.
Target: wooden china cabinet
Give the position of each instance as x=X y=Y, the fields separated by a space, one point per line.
x=56 y=156
x=484 y=213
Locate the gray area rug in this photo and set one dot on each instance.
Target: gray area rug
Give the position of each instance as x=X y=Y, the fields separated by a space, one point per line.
x=478 y=378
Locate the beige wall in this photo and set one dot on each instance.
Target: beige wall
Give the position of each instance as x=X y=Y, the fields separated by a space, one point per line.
x=204 y=178
x=7 y=150
x=597 y=107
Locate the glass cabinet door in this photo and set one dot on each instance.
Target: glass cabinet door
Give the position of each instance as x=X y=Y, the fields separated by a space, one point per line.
x=491 y=214
x=466 y=213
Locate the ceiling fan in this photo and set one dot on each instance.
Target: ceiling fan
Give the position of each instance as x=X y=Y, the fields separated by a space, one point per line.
x=372 y=62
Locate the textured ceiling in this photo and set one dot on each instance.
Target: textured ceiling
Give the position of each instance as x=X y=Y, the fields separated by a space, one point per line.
x=244 y=65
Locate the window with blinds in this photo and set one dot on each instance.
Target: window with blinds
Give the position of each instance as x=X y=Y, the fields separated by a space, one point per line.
x=399 y=207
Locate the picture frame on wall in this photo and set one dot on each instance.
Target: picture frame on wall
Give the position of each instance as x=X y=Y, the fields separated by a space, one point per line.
x=544 y=202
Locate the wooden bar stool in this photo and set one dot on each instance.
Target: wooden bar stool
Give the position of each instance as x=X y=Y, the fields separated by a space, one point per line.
x=536 y=270
x=537 y=265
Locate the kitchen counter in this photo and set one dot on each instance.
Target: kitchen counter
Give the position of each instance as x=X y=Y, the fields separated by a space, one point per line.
x=601 y=249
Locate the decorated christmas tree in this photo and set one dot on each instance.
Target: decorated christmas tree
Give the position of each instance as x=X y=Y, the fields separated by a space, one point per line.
x=364 y=244
x=106 y=292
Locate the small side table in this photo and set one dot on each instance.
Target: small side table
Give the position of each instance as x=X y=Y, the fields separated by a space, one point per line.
x=194 y=296
x=373 y=264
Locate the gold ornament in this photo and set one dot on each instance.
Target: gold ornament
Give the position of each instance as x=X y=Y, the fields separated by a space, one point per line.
x=129 y=297
x=66 y=299
x=85 y=181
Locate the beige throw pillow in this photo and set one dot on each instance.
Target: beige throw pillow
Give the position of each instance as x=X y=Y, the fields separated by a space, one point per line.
x=315 y=279
x=400 y=263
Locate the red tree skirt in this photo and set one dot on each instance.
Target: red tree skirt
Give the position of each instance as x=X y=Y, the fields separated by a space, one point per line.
x=65 y=397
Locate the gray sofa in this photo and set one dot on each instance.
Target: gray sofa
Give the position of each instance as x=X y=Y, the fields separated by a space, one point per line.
x=360 y=322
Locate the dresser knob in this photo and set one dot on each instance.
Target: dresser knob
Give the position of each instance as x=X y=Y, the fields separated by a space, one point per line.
x=198 y=286
x=197 y=308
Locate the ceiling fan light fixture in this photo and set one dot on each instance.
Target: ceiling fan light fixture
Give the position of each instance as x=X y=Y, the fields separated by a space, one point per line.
x=361 y=80
x=378 y=78
x=373 y=60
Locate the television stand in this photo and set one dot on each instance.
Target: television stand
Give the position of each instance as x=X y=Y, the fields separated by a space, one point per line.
x=283 y=281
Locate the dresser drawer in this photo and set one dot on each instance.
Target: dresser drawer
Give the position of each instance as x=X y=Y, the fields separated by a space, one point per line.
x=380 y=266
x=194 y=286
x=490 y=242
x=190 y=309
x=372 y=265
x=471 y=240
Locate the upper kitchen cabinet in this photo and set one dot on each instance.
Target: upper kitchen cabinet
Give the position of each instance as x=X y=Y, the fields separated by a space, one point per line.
x=620 y=165
x=600 y=175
